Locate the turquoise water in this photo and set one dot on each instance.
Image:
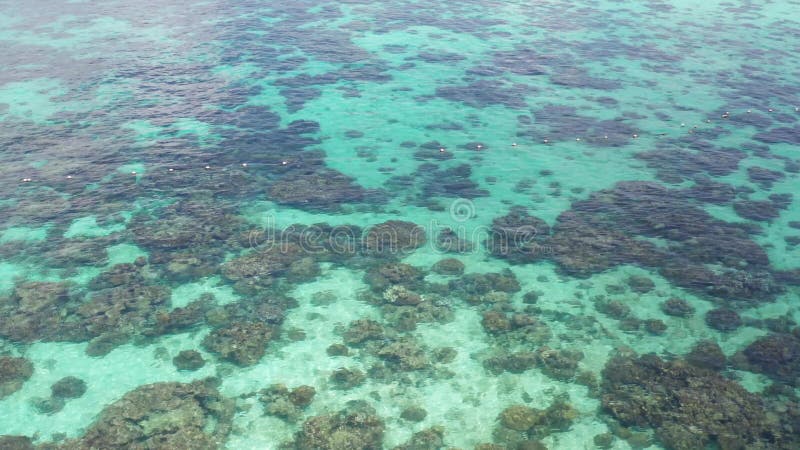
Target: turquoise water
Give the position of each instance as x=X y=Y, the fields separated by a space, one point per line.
x=398 y=224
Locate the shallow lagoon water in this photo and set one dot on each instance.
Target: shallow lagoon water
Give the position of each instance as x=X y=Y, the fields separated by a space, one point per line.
x=599 y=158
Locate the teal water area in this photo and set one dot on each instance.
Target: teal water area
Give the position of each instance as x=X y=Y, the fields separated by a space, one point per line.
x=399 y=224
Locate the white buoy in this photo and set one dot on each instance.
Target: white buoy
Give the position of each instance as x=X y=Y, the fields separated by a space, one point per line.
x=244 y=164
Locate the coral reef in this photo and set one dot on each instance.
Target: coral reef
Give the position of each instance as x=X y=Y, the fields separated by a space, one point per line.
x=393 y=238
x=384 y=276
x=361 y=331
x=321 y=189
x=677 y=307
x=707 y=354
x=689 y=407
x=162 y=416
x=535 y=424
x=35 y=311
x=448 y=266
x=405 y=354
x=287 y=404
x=14 y=372
x=775 y=355
x=356 y=427
x=188 y=360
x=723 y=319
x=589 y=239
x=263 y=267
x=68 y=387
x=518 y=236
x=243 y=343
x=347 y=378
x=427 y=439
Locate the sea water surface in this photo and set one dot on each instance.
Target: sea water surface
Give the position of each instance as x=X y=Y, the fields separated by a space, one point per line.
x=399 y=224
